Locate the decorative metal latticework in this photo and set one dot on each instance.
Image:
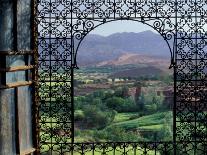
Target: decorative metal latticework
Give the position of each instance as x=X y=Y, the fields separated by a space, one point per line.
x=63 y=24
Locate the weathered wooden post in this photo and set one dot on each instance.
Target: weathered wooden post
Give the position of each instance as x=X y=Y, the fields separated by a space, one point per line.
x=16 y=86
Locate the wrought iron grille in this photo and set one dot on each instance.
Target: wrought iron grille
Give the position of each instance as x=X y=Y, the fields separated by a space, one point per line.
x=63 y=24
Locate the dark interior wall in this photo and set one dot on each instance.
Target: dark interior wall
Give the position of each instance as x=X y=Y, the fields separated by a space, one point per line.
x=6 y=26
x=7 y=122
x=7 y=110
x=15 y=103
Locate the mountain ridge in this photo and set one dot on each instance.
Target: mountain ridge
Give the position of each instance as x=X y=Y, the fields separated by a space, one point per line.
x=131 y=58
x=96 y=48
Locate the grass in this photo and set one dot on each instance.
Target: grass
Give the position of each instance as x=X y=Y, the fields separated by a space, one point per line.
x=121 y=117
x=152 y=127
x=78 y=112
x=148 y=122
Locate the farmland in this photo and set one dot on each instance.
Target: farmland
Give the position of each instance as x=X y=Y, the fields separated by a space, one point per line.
x=110 y=106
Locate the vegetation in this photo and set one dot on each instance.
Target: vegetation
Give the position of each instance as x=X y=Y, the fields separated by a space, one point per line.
x=121 y=108
x=117 y=108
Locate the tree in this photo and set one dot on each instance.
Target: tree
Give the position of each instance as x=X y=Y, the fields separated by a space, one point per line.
x=115 y=103
x=140 y=102
x=125 y=79
x=79 y=102
x=96 y=101
x=113 y=81
x=99 y=93
x=96 y=118
x=165 y=134
x=122 y=92
x=155 y=102
x=117 y=134
x=158 y=101
x=125 y=92
x=118 y=92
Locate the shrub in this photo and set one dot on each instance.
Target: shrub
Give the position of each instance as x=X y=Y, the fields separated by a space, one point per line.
x=151 y=108
x=96 y=118
x=117 y=134
x=134 y=117
x=121 y=105
x=115 y=103
x=79 y=115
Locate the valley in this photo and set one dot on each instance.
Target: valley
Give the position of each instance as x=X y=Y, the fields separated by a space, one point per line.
x=127 y=102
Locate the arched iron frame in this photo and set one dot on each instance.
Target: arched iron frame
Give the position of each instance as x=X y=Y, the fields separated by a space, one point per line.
x=63 y=24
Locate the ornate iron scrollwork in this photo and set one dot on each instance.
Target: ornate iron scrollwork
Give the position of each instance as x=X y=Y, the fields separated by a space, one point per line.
x=63 y=24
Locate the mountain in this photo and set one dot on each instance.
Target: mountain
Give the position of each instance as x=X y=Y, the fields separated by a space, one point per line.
x=96 y=48
x=148 y=71
x=130 y=58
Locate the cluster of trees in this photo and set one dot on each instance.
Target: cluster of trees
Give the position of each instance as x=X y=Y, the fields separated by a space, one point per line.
x=150 y=103
x=99 y=108
x=165 y=78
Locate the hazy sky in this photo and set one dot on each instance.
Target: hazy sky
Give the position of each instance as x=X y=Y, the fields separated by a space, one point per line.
x=120 y=26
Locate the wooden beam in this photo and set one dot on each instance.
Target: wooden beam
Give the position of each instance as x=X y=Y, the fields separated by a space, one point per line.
x=21 y=52
x=16 y=84
x=18 y=68
x=28 y=151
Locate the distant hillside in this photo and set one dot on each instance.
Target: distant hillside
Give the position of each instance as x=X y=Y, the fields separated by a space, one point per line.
x=148 y=71
x=95 y=48
x=129 y=58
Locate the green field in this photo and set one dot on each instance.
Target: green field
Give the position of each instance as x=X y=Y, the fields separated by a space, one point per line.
x=120 y=117
x=149 y=122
